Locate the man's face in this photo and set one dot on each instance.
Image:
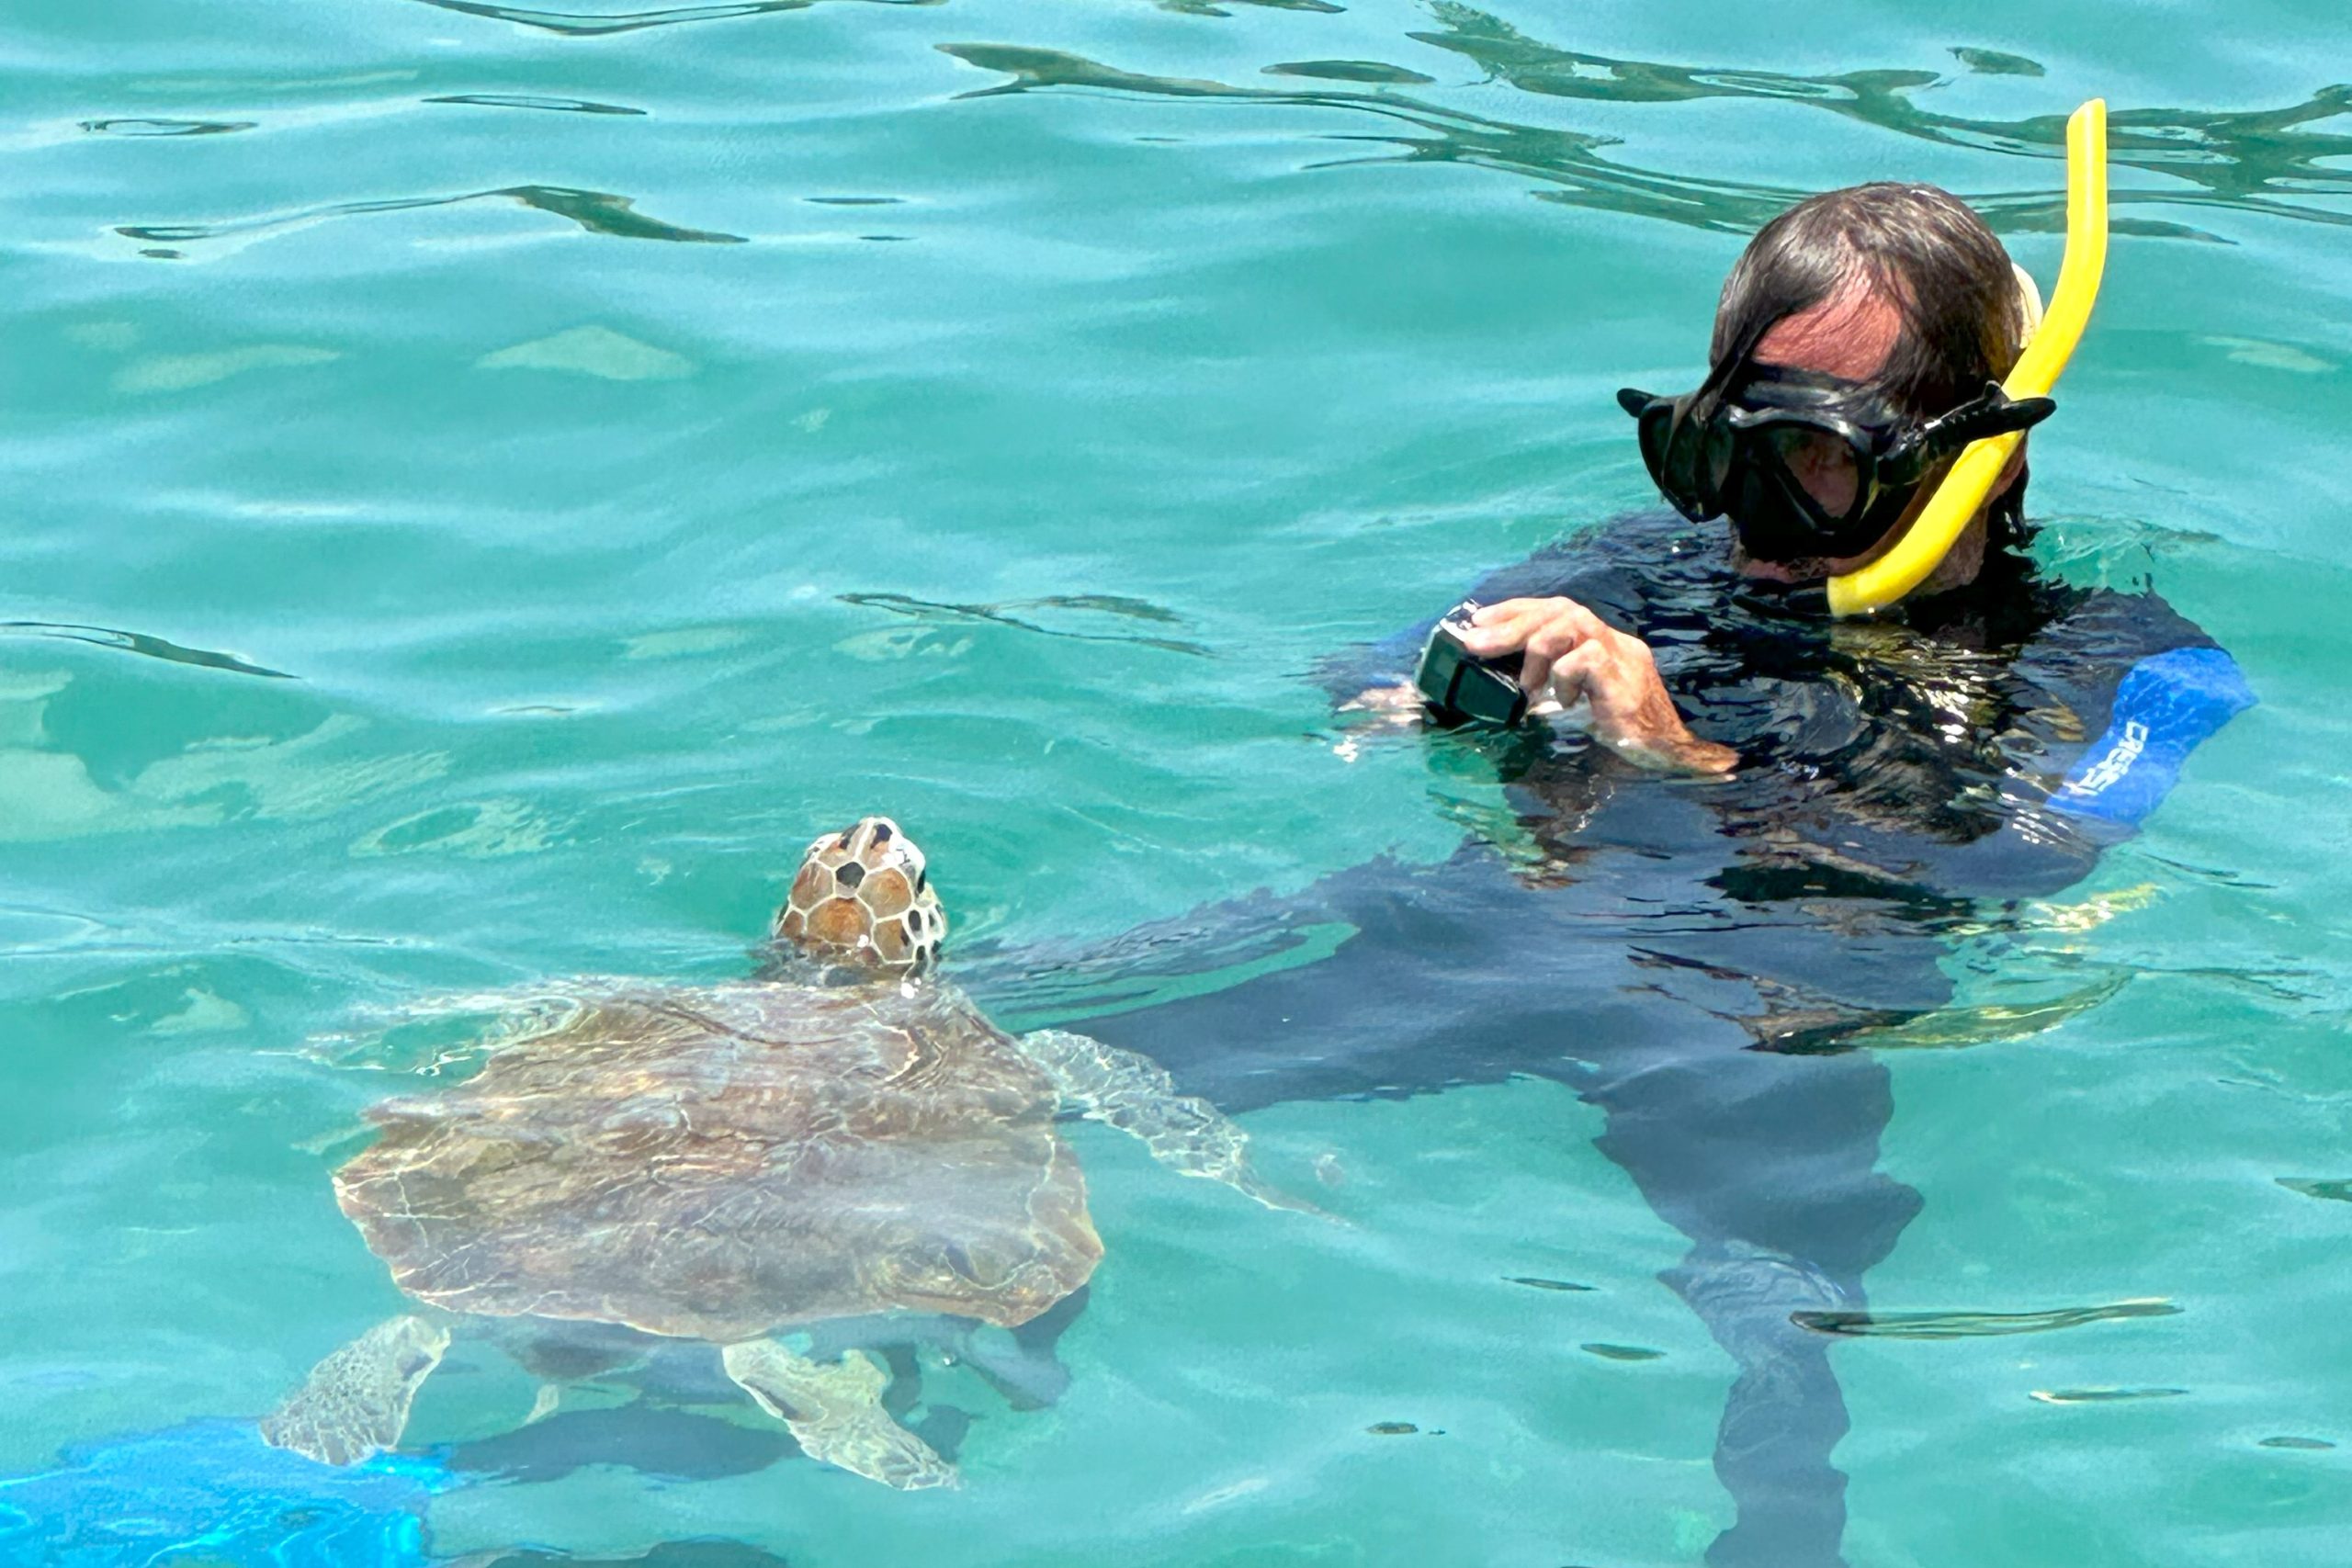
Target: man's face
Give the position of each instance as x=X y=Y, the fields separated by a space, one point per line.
x=1851 y=335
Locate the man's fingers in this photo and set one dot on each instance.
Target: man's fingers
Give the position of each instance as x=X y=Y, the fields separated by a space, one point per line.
x=1515 y=623
x=1498 y=629
x=1552 y=641
x=1397 y=698
x=1572 y=671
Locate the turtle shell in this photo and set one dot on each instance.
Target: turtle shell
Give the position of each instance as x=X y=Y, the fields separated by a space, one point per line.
x=723 y=1163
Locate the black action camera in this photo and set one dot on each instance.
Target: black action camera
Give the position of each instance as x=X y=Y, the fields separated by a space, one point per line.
x=1462 y=688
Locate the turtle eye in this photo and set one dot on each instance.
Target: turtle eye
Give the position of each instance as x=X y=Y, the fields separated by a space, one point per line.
x=881 y=834
x=923 y=880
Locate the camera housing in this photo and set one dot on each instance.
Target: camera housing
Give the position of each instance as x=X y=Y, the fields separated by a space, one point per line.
x=1462 y=688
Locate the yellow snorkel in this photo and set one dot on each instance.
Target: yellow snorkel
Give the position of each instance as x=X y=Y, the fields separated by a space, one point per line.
x=1957 y=500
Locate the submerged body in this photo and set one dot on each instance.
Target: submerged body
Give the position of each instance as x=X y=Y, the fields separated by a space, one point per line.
x=1698 y=957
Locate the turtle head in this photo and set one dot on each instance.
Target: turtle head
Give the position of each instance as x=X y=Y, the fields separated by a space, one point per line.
x=862 y=900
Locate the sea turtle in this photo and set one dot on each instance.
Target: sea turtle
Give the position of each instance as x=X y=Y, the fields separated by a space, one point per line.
x=844 y=1136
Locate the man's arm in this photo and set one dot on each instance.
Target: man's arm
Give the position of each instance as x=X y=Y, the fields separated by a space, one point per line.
x=2080 y=801
x=2166 y=705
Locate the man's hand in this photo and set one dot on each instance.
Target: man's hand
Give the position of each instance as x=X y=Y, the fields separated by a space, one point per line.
x=1397 y=703
x=1572 y=655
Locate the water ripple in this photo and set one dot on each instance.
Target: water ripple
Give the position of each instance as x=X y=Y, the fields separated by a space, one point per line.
x=2314 y=1187
x=1372 y=71
x=529 y=101
x=1213 y=8
x=140 y=643
x=576 y=24
x=1001 y=615
x=599 y=212
x=26 y=931
x=2262 y=161
x=1993 y=62
x=165 y=127
x=1974 y=1325
x=2236 y=155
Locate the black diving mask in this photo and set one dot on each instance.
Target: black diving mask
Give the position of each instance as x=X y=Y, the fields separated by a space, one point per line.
x=1806 y=466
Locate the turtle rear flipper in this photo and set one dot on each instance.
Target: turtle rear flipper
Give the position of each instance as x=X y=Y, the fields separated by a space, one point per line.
x=1135 y=1095
x=355 y=1402
x=836 y=1413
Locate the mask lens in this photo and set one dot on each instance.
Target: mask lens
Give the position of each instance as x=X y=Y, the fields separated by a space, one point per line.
x=1718 y=460
x=1670 y=450
x=1823 y=465
x=1770 y=527
x=1654 y=429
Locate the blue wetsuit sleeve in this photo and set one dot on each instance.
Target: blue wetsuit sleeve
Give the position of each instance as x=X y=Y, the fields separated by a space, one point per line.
x=2166 y=705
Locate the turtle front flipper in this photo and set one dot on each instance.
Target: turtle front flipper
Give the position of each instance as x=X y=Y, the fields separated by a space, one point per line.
x=1135 y=1095
x=836 y=1413
x=355 y=1402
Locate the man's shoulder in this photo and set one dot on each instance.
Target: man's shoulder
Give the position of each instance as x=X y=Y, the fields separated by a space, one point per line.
x=2121 y=625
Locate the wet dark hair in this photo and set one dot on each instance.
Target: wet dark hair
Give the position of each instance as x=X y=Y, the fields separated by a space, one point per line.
x=1919 y=247
x=1916 y=245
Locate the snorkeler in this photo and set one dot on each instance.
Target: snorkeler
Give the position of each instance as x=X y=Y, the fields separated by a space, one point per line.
x=1698 y=958
x=1859 y=349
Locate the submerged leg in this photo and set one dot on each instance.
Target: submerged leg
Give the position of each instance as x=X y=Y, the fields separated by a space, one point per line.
x=1135 y=1095
x=836 y=1413
x=1784 y=1415
x=1768 y=1163
x=355 y=1402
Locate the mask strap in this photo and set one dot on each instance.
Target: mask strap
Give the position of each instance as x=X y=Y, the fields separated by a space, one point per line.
x=2028 y=306
x=2052 y=342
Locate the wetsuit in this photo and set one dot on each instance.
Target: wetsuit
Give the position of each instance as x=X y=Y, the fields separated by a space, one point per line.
x=1693 y=955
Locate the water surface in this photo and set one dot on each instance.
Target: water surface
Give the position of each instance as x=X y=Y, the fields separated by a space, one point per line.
x=486 y=483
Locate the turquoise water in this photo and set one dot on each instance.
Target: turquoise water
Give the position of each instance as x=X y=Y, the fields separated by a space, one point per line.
x=484 y=486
